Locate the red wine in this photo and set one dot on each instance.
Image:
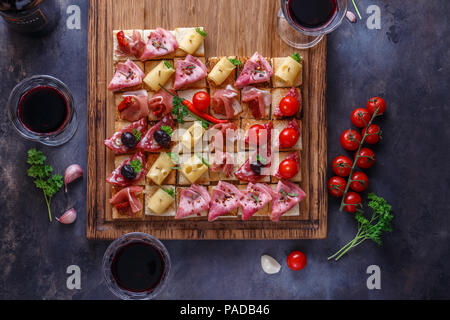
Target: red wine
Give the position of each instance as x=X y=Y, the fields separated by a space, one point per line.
x=312 y=13
x=43 y=109
x=30 y=16
x=138 y=267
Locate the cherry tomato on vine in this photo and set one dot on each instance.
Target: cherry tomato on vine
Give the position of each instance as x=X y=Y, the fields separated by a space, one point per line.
x=360 y=181
x=288 y=168
x=201 y=101
x=352 y=201
x=374 y=104
x=360 y=117
x=342 y=165
x=289 y=106
x=350 y=140
x=259 y=133
x=366 y=158
x=373 y=134
x=336 y=186
x=288 y=138
x=296 y=260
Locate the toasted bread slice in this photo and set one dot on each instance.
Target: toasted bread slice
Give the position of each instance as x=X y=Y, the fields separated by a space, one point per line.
x=263 y=212
x=117 y=56
x=280 y=93
x=203 y=179
x=278 y=83
x=149 y=65
x=200 y=216
x=133 y=88
x=200 y=84
x=278 y=157
x=293 y=212
x=221 y=116
x=171 y=179
x=230 y=215
x=224 y=145
x=118 y=159
x=200 y=145
x=121 y=215
x=239 y=159
x=146 y=34
x=279 y=126
x=149 y=191
x=211 y=62
x=180 y=33
x=247 y=113
x=118 y=98
x=267 y=84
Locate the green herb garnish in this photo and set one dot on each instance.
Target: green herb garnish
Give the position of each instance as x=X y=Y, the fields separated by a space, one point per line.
x=167 y=64
x=261 y=159
x=370 y=229
x=136 y=165
x=167 y=130
x=201 y=32
x=296 y=57
x=179 y=109
x=203 y=160
x=41 y=173
x=170 y=191
x=256 y=198
x=175 y=158
x=284 y=194
x=236 y=62
x=259 y=71
x=137 y=134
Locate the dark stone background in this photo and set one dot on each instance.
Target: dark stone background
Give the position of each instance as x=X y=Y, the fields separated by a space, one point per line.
x=407 y=62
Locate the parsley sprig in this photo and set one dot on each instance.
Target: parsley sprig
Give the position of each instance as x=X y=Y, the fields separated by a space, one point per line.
x=370 y=229
x=201 y=32
x=43 y=178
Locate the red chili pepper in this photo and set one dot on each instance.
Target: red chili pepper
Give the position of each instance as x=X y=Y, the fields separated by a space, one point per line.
x=123 y=42
x=126 y=102
x=203 y=115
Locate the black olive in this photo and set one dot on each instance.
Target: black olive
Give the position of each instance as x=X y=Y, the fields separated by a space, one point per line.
x=129 y=140
x=256 y=167
x=128 y=172
x=162 y=138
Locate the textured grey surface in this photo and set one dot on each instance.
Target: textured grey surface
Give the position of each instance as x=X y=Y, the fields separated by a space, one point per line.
x=407 y=62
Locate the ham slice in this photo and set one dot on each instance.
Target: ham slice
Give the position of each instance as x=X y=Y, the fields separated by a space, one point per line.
x=286 y=196
x=225 y=101
x=116 y=178
x=256 y=197
x=225 y=198
x=138 y=108
x=148 y=142
x=257 y=100
x=292 y=93
x=115 y=143
x=256 y=70
x=126 y=200
x=161 y=103
x=223 y=162
x=223 y=137
x=293 y=156
x=128 y=74
x=160 y=43
x=188 y=71
x=193 y=201
x=292 y=124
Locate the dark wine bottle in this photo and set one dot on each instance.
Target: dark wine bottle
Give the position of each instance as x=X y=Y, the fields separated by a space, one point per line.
x=35 y=17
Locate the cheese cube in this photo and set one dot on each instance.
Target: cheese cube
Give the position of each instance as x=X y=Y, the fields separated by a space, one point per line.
x=161 y=168
x=193 y=169
x=193 y=135
x=158 y=76
x=288 y=71
x=191 y=42
x=221 y=71
x=160 y=201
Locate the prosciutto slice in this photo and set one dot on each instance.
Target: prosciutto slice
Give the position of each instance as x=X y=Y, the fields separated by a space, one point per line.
x=293 y=156
x=286 y=196
x=126 y=200
x=256 y=197
x=292 y=124
x=134 y=45
x=223 y=162
x=160 y=43
x=292 y=93
x=193 y=200
x=161 y=103
x=223 y=136
x=116 y=178
x=137 y=106
x=225 y=198
x=245 y=172
x=148 y=142
x=189 y=70
x=115 y=143
x=128 y=74
x=256 y=70
x=258 y=100
x=225 y=101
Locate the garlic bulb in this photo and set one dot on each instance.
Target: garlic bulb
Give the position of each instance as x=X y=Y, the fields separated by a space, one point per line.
x=269 y=264
x=72 y=173
x=68 y=217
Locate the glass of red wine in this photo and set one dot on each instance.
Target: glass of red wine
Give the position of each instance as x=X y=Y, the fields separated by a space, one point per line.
x=303 y=23
x=136 y=266
x=41 y=108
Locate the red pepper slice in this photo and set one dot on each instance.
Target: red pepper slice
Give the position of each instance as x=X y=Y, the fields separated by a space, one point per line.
x=126 y=102
x=122 y=206
x=123 y=43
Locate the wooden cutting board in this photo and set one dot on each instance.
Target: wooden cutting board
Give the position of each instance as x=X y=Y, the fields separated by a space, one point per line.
x=235 y=27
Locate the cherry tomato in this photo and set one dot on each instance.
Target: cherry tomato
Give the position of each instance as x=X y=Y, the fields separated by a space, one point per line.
x=296 y=260
x=360 y=117
x=366 y=158
x=350 y=140
x=336 y=186
x=373 y=134
x=201 y=101
x=353 y=201
x=122 y=41
x=360 y=181
x=288 y=138
x=288 y=106
x=288 y=168
x=374 y=104
x=342 y=165
x=259 y=132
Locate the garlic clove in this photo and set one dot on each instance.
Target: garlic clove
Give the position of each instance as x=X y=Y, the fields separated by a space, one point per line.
x=270 y=265
x=72 y=173
x=68 y=217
